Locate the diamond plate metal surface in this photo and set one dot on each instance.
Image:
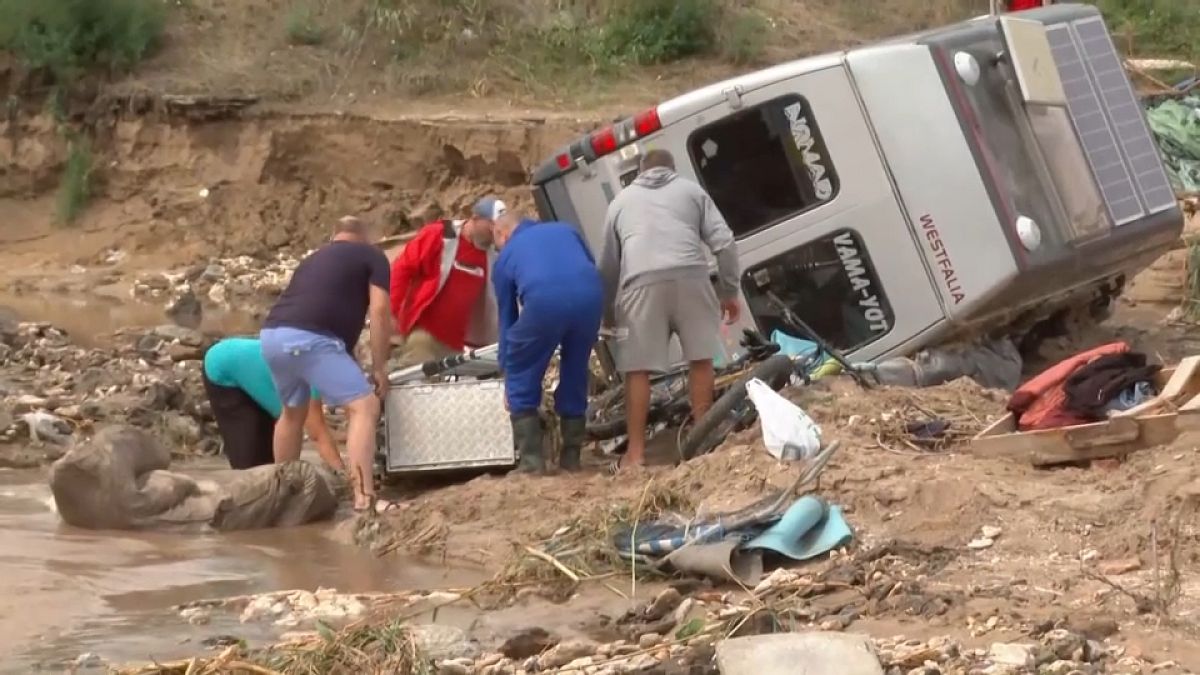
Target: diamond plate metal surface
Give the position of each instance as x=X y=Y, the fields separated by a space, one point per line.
x=453 y=425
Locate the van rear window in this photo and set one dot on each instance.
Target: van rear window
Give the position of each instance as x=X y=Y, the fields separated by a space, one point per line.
x=764 y=164
x=829 y=283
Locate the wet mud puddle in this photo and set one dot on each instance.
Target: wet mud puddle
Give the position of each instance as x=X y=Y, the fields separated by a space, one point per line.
x=66 y=592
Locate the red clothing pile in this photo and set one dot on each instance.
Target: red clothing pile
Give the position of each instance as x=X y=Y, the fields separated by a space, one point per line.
x=1044 y=401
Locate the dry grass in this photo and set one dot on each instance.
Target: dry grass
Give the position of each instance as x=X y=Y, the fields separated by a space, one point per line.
x=584 y=549
x=363 y=647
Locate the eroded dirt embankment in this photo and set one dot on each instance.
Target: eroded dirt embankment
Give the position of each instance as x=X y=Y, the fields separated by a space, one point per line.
x=253 y=181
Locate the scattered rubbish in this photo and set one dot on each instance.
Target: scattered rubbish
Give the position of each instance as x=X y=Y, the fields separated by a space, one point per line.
x=44 y=427
x=990 y=531
x=995 y=364
x=1176 y=126
x=980 y=543
x=788 y=432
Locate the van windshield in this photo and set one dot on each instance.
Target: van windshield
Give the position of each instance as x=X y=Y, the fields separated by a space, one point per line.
x=764 y=164
x=829 y=283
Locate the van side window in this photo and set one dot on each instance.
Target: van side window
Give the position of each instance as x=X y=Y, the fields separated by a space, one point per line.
x=764 y=164
x=829 y=283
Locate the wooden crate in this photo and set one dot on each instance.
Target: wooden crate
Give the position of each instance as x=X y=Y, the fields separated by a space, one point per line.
x=1155 y=422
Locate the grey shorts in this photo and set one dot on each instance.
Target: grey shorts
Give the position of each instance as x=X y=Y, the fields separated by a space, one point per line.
x=648 y=315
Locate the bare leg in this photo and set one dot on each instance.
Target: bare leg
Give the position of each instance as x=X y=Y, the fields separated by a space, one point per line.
x=637 y=410
x=362 y=416
x=289 y=433
x=701 y=382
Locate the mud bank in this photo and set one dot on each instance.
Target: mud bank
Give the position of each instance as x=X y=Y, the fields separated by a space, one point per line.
x=250 y=182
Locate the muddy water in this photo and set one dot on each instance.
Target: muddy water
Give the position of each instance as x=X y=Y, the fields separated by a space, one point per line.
x=65 y=592
x=90 y=318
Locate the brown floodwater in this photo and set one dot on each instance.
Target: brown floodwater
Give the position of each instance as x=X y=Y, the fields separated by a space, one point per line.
x=66 y=592
x=89 y=319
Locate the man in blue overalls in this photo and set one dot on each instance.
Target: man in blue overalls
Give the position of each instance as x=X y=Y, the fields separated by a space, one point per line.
x=549 y=296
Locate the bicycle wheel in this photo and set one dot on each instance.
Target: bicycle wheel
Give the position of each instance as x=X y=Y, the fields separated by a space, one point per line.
x=606 y=412
x=732 y=409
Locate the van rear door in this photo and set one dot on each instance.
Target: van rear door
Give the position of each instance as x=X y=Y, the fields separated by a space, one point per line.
x=794 y=168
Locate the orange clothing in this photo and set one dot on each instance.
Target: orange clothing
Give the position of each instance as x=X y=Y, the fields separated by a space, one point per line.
x=1040 y=403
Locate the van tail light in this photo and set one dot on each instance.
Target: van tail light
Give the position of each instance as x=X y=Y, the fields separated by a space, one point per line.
x=646 y=123
x=564 y=161
x=604 y=141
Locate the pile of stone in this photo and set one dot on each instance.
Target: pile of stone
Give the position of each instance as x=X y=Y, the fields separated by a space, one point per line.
x=688 y=632
x=225 y=282
x=52 y=390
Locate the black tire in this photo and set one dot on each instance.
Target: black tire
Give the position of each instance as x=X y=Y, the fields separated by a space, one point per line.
x=606 y=415
x=727 y=413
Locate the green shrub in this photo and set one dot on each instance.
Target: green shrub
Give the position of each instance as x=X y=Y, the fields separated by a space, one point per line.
x=75 y=188
x=658 y=31
x=71 y=36
x=302 y=28
x=742 y=41
x=1160 y=28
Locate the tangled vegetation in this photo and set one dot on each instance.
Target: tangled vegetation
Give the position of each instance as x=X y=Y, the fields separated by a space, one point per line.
x=71 y=37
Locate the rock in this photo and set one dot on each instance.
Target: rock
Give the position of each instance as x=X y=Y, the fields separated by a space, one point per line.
x=527 y=643
x=1059 y=668
x=990 y=531
x=564 y=653
x=181 y=429
x=186 y=310
x=1063 y=645
x=980 y=544
x=89 y=660
x=489 y=660
x=218 y=294
x=663 y=604
x=44 y=427
x=1113 y=568
x=1012 y=654
x=581 y=663
x=28 y=403
x=180 y=352
x=183 y=334
x=213 y=272
x=812 y=653
x=444 y=643
x=1094 y=628
x=649 y=640
x=455 y=668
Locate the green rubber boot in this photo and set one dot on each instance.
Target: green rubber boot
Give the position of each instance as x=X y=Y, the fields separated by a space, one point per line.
x=527 y=434
x=573 y=431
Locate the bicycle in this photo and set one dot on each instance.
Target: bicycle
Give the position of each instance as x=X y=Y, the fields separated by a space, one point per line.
x=733 y=411
x=669 y=401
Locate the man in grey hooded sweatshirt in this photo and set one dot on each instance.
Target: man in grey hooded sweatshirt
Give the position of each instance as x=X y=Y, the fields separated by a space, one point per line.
x=656 y=277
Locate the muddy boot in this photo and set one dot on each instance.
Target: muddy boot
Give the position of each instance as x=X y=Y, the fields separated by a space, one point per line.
x=527 y=434
x=573 y=431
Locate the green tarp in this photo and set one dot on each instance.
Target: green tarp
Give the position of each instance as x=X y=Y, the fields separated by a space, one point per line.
x=1176 y=126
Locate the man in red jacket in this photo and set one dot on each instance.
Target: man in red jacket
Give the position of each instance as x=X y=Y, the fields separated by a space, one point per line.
x=440 y=294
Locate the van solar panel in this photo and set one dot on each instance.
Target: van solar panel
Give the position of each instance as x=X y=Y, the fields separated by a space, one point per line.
x=1109 y=121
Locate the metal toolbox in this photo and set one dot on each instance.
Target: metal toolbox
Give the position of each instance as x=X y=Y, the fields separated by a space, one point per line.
x=446 y=426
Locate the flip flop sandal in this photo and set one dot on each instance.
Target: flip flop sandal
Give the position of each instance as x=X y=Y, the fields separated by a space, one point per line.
x=381 y=506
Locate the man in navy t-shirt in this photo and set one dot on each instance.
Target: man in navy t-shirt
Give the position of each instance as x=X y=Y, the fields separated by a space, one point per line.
x=308 y=341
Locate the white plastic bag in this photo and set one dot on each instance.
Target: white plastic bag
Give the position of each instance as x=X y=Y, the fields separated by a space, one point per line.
x=788 y=432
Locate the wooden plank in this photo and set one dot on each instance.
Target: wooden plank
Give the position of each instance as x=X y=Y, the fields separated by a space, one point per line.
x=1112 y=438
x=1004 y=425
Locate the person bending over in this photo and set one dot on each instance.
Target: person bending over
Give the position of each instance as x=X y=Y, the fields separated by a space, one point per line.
x=244 y=401
x=308 y=341
x=550 y=298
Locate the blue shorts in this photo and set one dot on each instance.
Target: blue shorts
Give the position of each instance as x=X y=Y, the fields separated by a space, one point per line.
x=302 y=361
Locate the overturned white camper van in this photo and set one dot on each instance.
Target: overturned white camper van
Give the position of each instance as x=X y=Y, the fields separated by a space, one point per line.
x=982 y=175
